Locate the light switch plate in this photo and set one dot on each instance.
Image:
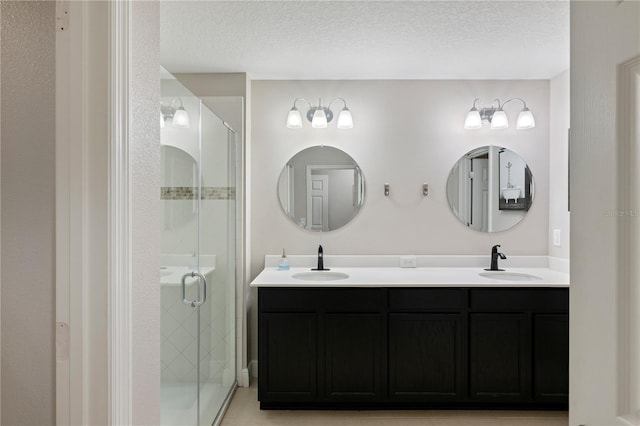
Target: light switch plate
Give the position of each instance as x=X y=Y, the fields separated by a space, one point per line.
x=408 y=262
x=556 y=237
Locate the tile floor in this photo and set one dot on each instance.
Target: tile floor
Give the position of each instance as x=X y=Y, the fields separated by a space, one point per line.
x=245 y=411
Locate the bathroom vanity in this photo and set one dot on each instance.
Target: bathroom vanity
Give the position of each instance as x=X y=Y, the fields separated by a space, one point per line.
x=417 y=338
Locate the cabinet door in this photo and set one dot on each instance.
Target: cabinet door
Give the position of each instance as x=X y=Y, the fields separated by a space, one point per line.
x=288 y=357
x=425 y=357
x=500 y=358
x=551 y=357
x=353 y=357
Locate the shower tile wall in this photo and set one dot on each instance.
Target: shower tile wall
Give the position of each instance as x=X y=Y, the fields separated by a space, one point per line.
x=178 y=337
x=178 y=327
x=178 y=321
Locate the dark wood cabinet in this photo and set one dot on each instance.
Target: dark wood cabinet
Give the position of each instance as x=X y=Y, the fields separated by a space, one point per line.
x=353 y=357
x=413 y=347
x=425 y=357
x=290 y=357
x=500 y=357
x=551 y=357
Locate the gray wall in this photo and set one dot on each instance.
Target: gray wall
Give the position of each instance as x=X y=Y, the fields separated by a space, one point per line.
x=27 y=76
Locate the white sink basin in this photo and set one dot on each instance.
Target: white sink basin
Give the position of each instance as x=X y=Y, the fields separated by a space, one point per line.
x=509 y=276
x=320 y=276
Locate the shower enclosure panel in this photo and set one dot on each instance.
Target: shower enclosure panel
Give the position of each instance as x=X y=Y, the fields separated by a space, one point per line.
x=198 y=261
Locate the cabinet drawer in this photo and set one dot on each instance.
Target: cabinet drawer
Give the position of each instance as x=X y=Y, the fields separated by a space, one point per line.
x=516 y=299
x=425 y=299
x=285 y=299
x=321 y=299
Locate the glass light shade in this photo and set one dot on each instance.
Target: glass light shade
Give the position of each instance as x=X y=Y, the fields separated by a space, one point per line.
x=525 y=120
x=161 y=121
x=294 y=120
x=181 y=118
x=319 y=120
x=345 y=121
x=473 y=120
x=499 y=120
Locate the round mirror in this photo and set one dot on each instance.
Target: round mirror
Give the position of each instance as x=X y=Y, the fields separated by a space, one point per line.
x=321 y=188
x=490 y=189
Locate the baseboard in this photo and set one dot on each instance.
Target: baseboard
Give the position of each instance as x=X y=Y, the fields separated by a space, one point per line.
x=245 y=382
x=253 y=368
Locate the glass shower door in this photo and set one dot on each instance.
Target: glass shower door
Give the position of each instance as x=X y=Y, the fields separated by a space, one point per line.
x=198 y=260
x=180 y=259
x=218 y=237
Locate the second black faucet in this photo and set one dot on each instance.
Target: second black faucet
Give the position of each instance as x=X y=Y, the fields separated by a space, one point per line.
x=320 y=261
x=494 y=258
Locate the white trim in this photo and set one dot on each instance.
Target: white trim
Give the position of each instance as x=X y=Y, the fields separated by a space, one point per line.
x=71 y=204
x=240 y=312
x=0 y=238
x=62 y=171
x=120 y=279
x=629 y=246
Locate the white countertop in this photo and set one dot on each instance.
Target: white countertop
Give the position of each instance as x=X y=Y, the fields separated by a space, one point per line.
x=411 y=277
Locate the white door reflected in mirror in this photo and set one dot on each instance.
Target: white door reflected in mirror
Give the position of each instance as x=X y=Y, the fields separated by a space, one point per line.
x=321 y=188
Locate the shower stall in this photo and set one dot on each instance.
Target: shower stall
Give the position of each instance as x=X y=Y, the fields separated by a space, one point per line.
x=198 y=258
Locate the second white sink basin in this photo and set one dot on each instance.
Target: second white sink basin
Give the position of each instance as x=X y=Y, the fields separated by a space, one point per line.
x=509 y=276
x=320 y=276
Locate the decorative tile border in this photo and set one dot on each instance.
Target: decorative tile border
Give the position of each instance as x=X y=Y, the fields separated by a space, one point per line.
x=189 y=193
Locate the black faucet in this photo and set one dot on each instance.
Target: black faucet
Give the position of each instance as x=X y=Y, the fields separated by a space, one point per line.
x=320 y=261
x=494 y=258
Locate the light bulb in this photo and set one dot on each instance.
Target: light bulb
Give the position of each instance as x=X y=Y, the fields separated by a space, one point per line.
x=294 y=120
x=499 y=120
x=319 y=120
x=525 y=120
x=181 y=118
x=473 y=120
x=345 y=121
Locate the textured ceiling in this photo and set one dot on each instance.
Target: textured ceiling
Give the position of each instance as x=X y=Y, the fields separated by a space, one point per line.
x=367 y=39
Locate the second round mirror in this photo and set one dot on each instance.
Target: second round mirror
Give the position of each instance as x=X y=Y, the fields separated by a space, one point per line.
x=490 y=189
x=321 y=188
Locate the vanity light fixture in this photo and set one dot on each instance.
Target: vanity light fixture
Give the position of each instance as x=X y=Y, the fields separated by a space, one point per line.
x=495 y=115
x=319 y=115
x=175 y=112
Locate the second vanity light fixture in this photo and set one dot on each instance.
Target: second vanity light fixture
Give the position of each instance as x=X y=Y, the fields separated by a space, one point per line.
x=495 y=115
x=175 y=112
x=319 y=115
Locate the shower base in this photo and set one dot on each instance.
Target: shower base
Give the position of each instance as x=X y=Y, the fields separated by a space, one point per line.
x=178 y=402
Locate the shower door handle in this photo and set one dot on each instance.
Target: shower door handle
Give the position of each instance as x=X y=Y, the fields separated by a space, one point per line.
x=194 y=303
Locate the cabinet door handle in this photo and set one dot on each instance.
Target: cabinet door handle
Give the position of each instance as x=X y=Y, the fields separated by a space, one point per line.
x=201 y=278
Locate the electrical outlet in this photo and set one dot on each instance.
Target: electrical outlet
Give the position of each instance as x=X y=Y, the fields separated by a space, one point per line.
x=556 y=237
x=408 y=262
